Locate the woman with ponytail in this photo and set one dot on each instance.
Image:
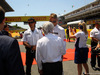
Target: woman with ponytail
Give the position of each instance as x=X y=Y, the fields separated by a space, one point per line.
x=81 y=49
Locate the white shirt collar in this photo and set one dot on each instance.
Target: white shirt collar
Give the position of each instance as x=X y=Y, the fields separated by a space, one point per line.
x=31 y=30
x=56 y=26
x=49 y=34
x=96 y=29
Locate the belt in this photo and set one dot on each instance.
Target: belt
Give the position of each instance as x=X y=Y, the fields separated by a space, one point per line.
x=52 y=62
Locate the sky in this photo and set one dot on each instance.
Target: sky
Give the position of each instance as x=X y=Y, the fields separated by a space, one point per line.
x=43 y=8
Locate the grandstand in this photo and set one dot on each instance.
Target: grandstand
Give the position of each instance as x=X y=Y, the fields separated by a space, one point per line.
x=89 y=13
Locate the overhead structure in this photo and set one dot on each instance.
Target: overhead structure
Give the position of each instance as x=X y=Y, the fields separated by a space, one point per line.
x=89 y=11
x=5 y=6
x=25 y=18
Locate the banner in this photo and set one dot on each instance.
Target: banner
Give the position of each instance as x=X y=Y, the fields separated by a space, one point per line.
x=25 y=18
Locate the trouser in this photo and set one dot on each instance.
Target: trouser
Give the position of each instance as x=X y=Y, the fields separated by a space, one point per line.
x=93 y=59
x=94 y=55
x=68 y=37
x=52 y=68
x=29 y=59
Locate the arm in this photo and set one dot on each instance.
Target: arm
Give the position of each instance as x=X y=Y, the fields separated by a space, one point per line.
x=24 y=39
x=40 y=34
x=95 y=39
x=63 y=37
x=63 y=50
x=92 y=35
x=14 y=61
x=38 y=57
x=26 y=44
x=70 y=35
x=98 y=46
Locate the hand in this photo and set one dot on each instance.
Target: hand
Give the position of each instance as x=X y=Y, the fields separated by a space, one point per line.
x=34 y=48
x=98 y=46
x=40 y=71
x=69 y=27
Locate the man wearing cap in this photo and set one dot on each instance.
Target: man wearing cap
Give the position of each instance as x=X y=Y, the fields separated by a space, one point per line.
x=95 y=35
x=30 y=38
x=10 y=58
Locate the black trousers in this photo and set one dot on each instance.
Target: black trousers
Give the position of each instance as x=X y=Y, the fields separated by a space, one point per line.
x=29 y=59
x=93 y=59
x=52 y=68
x=94 y=55
x=68 y=37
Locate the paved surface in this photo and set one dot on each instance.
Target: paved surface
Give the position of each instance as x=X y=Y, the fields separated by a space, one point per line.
x=69 y=67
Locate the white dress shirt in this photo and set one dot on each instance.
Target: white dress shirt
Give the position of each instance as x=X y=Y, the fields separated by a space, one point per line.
x=32 y=37
x=59 y=31
x=49 y=49
x=95 y=33
x=82 y=39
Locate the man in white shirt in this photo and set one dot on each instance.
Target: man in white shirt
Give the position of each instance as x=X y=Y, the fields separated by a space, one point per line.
x=49 y=51
x=58 y=30
x=30 y=38
x=95 y=35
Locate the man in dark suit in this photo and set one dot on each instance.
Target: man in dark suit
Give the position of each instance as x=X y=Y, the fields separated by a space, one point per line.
x=10 y=58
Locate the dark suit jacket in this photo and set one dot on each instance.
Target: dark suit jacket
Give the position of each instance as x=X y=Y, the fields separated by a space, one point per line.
x=10 y=58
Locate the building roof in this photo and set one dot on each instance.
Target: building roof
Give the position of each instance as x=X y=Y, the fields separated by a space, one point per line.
x=5 y=6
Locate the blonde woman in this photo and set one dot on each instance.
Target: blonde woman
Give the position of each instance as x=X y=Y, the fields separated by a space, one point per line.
x=81 y=49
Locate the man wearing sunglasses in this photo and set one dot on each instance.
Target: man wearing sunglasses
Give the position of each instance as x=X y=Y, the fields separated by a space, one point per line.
x=30 y=38
x=58 y=30
x=95 y=36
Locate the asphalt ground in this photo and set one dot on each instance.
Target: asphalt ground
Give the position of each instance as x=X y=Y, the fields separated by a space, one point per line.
x=69 y=67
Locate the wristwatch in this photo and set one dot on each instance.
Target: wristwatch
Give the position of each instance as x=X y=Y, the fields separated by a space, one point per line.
x=32 y=51
x=31 y=47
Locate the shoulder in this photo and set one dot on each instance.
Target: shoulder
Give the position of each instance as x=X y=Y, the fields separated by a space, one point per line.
x=93 y=30
x=37 y=30
x=60 y=28
x=4 y=37
x=27 y=31
x=5 y=32
x=59 y=38
x=42 y=39
x=6 y=41
x=56 y=37
x=79 y=32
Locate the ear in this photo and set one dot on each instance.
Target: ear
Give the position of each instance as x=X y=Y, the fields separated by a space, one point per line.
x=4 y=21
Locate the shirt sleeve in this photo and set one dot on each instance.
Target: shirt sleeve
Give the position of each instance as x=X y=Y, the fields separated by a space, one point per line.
x=38 y=56
x=14 y=62
x=92 y=34
x=77 y=35
x=40 y=33
x=24 y=37
x=63 y=38
x=62 y=48
x=62 y=35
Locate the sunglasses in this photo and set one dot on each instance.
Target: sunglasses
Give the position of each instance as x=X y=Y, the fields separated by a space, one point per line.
x=53 y=21
x=30 y=22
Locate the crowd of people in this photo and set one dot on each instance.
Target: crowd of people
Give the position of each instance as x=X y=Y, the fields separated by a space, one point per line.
x=48 y=50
